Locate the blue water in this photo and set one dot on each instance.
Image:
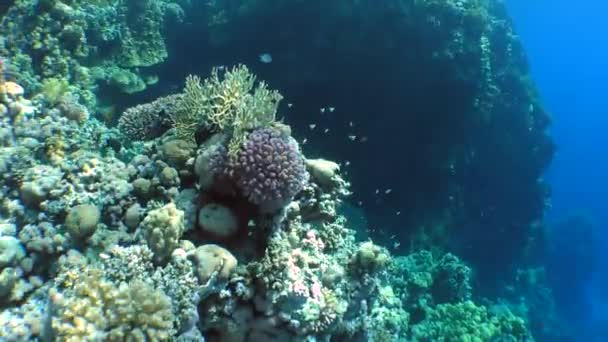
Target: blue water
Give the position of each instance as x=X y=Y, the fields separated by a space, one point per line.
x=566 y=46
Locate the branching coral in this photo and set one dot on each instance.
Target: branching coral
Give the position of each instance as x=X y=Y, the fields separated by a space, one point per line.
x=226 y=103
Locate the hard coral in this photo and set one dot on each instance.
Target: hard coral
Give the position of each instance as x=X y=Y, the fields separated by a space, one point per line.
x=231 y=102
x=162 y=229
x=466 y=321
x=95 y=308
x=148 y=121
x=269 y=168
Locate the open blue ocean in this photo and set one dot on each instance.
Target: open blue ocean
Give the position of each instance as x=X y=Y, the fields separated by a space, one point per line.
x=569 y=60
x=302 y=171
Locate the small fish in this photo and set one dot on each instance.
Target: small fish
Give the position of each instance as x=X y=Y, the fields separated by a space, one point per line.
x=347 y=163
x=326 y=130
x=396 y=244
x=352 y=137
x=377 y=191
x=312 y=126
x=265 y=58
x=322 y=110
x=363 y=139
x=289 y=105
x=351 y=124
x=221 y=68
x=360 y=203
x=388 y=191
x=331 y=109
x=304 y=141
x=398 y=213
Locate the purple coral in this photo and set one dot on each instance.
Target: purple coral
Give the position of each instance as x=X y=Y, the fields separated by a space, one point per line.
x=269 y=168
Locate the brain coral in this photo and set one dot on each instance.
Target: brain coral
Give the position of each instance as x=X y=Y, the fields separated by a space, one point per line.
x=269 y=168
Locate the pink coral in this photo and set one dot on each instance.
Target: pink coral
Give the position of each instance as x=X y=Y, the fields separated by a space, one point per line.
x=312 y=240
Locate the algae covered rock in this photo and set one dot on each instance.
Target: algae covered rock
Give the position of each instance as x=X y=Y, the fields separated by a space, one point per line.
x=177 y=152
x=82 y=221
x=218 y=220
x=11 y=251
x=210 y=260
x=323 y=171
x=8 y=280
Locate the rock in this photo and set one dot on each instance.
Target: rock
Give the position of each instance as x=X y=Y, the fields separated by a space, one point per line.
x=211 y=259
x=8 y=279
x=32 y=194
x=186 y=201
x=218 y=220
x=323 y=171
x=11 y=251
x=132 y=216
x=177 y=152
x=142 y=187
x=82 y=221
x=169 y=177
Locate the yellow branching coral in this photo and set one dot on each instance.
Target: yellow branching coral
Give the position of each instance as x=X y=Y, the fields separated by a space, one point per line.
x=232 y=102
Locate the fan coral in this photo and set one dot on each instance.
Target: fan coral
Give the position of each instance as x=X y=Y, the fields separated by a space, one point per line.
x=269 y=168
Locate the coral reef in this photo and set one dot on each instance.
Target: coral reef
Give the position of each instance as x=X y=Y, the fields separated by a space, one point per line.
x=441 y=103
x=106 y=249
x=199 y=216
x=86 y=44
